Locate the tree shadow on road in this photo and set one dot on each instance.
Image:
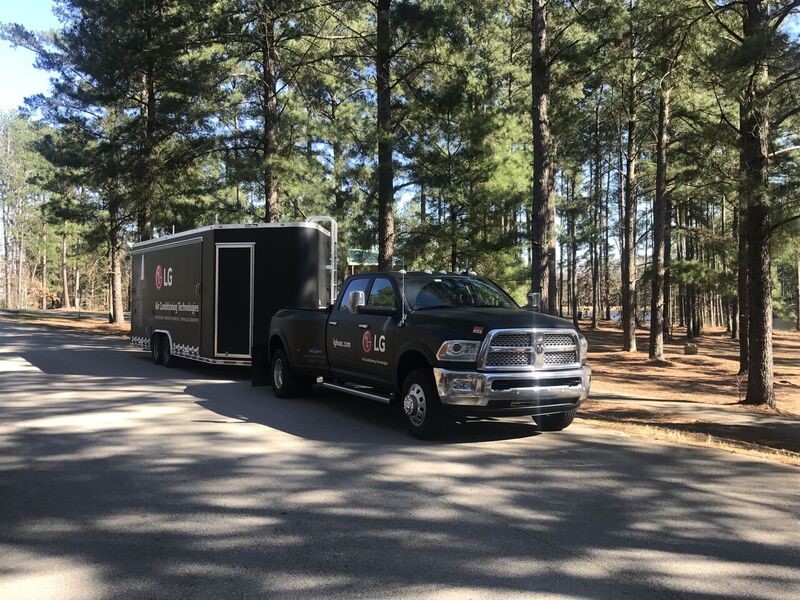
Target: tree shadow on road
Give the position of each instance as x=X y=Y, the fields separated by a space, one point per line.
x=339 y=418
x=124 y=487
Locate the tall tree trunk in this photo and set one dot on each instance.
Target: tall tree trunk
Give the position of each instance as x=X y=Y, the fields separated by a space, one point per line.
x=77 y=282
x=659 y=227
x=269 y=109
x=561 y=282
x=596 y=214
x=606 y=247
x=21 y=291
x=667 y=325
x=386 y=225
x=6 y=250
x=542 y=149
x=797 y=295
x=64 y=278
x=573 y=248
x=742 y=285
x=552 y=285
x=117 y=315
x=146 y=202
x=453 y=238
x=629 y=222
x=754 y=144
x=44 y=271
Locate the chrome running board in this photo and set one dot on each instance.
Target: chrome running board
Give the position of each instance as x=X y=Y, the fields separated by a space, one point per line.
x=359 y=393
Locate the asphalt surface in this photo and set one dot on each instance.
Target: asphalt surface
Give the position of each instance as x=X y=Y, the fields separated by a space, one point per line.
x=121 y=479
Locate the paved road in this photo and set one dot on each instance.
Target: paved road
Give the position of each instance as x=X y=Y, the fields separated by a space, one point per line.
x=122 y=479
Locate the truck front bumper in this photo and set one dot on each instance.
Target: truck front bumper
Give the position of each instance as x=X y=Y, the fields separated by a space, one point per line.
x=516 y=393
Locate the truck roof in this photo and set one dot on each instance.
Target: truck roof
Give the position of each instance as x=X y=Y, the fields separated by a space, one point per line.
x=429 y=273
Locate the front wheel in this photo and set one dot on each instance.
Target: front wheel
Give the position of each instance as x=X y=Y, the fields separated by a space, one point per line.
x=555 y=422
x=422 y=410
x=285 y=383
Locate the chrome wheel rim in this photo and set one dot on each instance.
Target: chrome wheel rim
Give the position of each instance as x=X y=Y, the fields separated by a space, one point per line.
x=277 y=373
x=414 y=405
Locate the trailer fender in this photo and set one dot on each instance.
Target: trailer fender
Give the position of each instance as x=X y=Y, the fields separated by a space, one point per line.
x=169 y=337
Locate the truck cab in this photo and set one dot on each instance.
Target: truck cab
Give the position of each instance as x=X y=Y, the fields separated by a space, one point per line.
x=437 y=345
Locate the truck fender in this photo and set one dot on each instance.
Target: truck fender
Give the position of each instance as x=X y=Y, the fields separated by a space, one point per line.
x=405 y=351
x=284 y=342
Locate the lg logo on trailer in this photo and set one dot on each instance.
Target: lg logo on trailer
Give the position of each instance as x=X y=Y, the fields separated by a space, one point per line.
x=368 y=341
x=163 y=277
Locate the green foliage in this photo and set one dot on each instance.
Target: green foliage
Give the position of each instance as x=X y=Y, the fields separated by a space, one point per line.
x=160 y=116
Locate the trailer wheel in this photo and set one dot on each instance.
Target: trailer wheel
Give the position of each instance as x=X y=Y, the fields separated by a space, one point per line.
x=555 y=422
x=156 y=350
x=285 y=383
x=167 y=358
x=422 y=409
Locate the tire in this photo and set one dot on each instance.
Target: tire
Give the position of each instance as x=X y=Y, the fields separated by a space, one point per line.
x=555 y=422
x=285 y=383
x=421 y=408
x=167 y=358
x=156 y=349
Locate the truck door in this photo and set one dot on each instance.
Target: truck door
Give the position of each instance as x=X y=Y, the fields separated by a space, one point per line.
x=233 y=327
x=377 y=332
x=343 y=334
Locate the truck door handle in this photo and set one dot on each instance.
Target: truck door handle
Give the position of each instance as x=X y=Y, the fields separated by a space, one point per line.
x=363 y=325
x=333 y=323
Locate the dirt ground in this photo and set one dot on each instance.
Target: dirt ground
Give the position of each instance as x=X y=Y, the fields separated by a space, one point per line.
x=710 y=376
x=63 y=319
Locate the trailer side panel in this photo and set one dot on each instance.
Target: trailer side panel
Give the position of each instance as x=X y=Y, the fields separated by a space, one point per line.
x=166 y=291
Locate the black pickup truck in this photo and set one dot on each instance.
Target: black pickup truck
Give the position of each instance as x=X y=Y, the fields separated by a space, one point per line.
x=436 y=345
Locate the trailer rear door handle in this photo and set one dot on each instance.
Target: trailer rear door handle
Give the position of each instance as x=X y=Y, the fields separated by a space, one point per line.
x=333 y=323
x=363 y=325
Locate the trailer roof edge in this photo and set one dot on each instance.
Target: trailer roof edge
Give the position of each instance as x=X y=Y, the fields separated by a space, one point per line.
x=175 y=236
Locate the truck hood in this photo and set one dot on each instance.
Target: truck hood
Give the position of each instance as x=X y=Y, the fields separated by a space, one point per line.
x=463 y=320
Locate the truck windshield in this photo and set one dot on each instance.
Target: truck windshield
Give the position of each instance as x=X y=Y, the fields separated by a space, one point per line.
x=437 y=292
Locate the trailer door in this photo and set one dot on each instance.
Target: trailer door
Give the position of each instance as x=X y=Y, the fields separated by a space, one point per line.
x=233 y=326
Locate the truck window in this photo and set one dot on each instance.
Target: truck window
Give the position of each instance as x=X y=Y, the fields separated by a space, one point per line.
x=382 y=293
x=435 y=292
x=357 y=285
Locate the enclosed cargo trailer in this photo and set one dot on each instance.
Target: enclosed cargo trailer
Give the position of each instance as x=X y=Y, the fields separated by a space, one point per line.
x=209 y=294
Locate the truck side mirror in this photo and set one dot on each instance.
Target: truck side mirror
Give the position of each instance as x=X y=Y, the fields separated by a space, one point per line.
x=535 y=302
x=356 y=300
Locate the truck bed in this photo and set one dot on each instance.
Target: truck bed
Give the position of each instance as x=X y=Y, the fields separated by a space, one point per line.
x=308 y=325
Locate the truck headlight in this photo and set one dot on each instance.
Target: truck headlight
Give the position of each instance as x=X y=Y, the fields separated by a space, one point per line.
x=459 y=350
x=583 y=347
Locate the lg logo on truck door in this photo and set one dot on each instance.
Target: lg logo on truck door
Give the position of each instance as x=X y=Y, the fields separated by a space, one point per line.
x=163 y=277
x=371 y=342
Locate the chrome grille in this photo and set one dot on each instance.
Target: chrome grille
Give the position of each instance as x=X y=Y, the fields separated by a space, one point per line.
x=560 y=358
x=558 y=339
x=512 y=339
x=509 y=359
x=510 y=349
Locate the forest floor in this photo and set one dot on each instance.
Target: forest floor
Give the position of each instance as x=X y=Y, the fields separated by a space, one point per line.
x=90 y=322
x=694 y=399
